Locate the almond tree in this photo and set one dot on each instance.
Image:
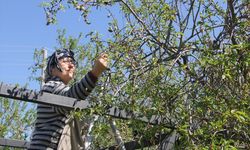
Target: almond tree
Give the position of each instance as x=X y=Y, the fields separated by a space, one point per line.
x=184 y=60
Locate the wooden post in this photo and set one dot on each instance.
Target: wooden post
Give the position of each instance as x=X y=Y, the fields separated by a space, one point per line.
x=44 y=53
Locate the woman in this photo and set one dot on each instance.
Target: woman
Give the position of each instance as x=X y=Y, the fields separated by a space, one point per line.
x=54 y=128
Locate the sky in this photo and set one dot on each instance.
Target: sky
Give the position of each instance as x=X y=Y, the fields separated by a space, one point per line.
x=23 y=29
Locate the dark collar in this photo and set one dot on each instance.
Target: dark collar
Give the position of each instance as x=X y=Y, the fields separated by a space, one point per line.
x=53 y=78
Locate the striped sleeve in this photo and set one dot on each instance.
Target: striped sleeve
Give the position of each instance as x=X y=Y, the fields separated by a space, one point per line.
x=79 y=90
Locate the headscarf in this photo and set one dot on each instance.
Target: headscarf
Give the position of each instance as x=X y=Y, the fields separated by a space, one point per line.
x=53 y=61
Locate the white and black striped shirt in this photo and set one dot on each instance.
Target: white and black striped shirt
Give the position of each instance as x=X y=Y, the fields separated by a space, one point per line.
x=51 y=119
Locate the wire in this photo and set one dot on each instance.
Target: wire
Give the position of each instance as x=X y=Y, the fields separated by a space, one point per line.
x=24 y=46
x=17 y=64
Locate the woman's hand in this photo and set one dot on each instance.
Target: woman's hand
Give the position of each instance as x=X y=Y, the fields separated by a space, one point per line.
x=100 y=65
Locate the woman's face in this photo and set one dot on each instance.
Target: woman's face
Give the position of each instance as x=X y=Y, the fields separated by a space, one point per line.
x=68 y=69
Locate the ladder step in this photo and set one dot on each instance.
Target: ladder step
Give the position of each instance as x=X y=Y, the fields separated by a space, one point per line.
x=14 y=143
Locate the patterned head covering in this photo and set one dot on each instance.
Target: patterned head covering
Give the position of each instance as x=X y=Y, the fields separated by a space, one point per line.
x=53 y=61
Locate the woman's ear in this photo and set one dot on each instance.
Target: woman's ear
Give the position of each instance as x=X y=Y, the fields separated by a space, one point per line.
x=54 y=71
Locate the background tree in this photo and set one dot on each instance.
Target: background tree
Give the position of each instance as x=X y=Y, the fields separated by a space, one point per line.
x=184 y=60
x=16 y=119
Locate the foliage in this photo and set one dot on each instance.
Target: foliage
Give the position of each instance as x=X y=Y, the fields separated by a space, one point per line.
x=16 y=119
x=187 y=61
